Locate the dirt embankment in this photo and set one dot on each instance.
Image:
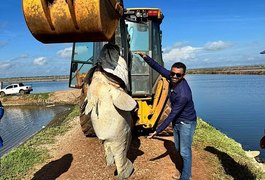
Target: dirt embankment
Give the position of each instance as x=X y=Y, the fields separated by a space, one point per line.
x=58 y=97
x=76 y=157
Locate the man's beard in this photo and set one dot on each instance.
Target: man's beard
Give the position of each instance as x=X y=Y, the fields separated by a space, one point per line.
x=175 y=81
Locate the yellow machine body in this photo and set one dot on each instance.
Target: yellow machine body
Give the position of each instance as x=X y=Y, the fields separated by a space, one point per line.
x=148 y=114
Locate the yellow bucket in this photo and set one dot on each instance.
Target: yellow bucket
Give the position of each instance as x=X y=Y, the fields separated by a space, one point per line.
x=60 y=21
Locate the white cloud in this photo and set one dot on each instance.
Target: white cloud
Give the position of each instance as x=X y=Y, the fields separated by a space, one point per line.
x=65 y=53
x=250 y=58
x=40 y=61
x=181 y=53
x=5 y=66
x=215 y=46
x=24 y=56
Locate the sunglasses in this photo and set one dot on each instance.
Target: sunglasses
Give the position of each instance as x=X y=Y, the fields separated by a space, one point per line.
x=178 y=75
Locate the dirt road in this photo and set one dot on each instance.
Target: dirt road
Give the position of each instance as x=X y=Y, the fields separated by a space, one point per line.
x=78 y=157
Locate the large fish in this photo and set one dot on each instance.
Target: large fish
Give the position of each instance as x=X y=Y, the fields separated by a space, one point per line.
x=109 y=106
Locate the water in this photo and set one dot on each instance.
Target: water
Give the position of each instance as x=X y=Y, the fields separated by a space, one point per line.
x=234 y=104
x=45 y=86
x=48 y=86
x=20 y=123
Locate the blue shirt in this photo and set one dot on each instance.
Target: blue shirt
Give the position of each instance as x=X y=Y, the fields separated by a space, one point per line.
x=1 y=111
x=182 y=106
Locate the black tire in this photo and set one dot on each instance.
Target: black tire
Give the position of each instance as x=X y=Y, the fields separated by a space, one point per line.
x=22 y=92
x=85 y=120
x=2 y=94
x=86 y=125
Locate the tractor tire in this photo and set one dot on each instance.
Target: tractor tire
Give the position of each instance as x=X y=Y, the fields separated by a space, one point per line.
x=166 y=110
x=2 y=94
x=85 y=120
x=86 y=125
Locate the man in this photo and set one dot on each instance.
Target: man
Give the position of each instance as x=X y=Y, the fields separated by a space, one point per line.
x=1 y=110
x=1 y=115
x=182 y=115
x=262 y=142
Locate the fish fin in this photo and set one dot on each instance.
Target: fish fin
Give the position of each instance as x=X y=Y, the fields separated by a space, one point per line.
x=88 y=109
x=124 y=102
x=89 y=104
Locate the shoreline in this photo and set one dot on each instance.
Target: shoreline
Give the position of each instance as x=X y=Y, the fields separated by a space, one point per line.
x=241 y=70
x=35 y=79
x=65 y=97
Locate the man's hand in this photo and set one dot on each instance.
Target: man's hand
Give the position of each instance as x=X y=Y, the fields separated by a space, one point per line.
x=151 y=135
x=142 y=54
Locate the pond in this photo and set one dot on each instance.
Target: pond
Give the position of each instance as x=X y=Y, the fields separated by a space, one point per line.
x=21 y=122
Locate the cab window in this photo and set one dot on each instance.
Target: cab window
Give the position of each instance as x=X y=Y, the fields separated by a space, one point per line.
x=82 y=61
x=139 y=36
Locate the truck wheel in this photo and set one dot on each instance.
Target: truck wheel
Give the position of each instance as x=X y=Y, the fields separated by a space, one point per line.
x=2 y=94
x=85 y=120
x=166 y=110
x=21 y=91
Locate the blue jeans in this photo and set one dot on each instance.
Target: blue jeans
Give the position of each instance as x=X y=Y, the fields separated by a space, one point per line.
x=183 y=135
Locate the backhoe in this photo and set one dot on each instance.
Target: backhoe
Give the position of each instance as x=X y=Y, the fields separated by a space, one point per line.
x=90 y=24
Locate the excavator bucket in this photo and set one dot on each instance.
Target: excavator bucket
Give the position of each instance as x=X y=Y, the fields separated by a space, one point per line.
x=61 y=21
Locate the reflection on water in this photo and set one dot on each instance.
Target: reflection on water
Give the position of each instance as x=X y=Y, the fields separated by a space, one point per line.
x=19 y=123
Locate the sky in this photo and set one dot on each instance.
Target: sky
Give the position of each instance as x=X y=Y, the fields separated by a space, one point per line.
x=199 y=33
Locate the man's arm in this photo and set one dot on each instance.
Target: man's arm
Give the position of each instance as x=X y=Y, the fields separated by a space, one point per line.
x=153 y=64
x=176 y=109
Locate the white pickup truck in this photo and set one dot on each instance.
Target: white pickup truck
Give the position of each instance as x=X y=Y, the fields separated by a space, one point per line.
x=15 y=89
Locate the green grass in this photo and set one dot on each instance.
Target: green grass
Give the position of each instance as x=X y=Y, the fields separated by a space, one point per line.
x=226 y=155
x=19 y=161
x=40 y=96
